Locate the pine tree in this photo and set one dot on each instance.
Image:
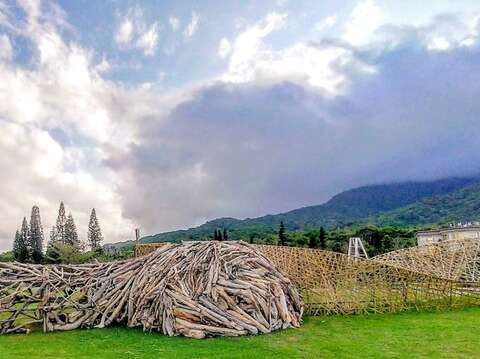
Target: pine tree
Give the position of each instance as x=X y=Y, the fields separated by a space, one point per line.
x=95 y=237
x=71 y=235
x=24 y=241
x=35 y=244
x=312 y=241
x=225 y=235
x=53 y=235
x=52 y=255
x=20 y=252
x=60 y=225
x=282 y=239
x=322 y=238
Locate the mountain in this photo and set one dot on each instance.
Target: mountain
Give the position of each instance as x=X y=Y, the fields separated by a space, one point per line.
x=396 y=203
x=458 y=206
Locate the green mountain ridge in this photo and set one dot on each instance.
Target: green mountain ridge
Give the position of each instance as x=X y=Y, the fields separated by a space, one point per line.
x=458 y=206
x=402 y=204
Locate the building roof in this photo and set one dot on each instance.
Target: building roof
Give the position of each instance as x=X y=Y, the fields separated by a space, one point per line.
x=450 y=229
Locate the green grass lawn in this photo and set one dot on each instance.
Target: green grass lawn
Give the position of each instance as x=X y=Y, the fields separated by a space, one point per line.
x=453 y=334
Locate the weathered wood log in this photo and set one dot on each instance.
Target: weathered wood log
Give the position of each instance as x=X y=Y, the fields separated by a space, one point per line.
x=196 y=289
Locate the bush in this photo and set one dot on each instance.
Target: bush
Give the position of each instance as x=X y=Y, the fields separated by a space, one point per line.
x=7 y=257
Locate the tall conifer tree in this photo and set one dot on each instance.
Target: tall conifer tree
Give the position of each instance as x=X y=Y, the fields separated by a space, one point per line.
x=95 y=237
x=35 y=244
x=24 y=240
x=322 y=238
x=20 y=252
x=52 y=255
x=71 y=235
x=60 y=225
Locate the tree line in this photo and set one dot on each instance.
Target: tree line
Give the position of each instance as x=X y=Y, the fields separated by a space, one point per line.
x=64 y=243
x=218 y=235
x=377 y=240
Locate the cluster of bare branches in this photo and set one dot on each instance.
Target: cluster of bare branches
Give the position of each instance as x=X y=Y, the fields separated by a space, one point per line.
x=196 y=289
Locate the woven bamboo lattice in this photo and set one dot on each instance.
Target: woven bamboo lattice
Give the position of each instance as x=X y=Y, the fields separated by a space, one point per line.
x=196 y=289
x=334 y=283
x=453 y=259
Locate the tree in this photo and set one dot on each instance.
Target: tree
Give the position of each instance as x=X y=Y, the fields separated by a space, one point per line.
x=282 y=239
x=24 y=240
x=35 y=244
x=217 y=235
x=322 y=238
x=66 y=253
x=20 y=252
x=312 y=239
x=225 y=235
x=53 y=235
x=95 y=237
x=7 y=257
x=60 y=225
x=52 y=255
x=71 y=235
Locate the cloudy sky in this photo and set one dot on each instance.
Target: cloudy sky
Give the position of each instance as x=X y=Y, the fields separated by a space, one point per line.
x=164 y=114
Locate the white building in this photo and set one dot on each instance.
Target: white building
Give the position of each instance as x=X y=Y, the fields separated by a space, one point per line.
x=453 y=232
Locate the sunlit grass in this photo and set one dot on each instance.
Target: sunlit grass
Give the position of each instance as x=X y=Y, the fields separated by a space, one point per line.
x=451 y=334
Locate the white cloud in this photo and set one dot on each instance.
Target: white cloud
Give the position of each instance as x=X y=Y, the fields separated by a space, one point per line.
x=326 y=23
x=366 y=17
x=133 y=32
x=148 y=41
x=224 y=48
x=124 y=32
x=192 y=26
x=438 y=43
x=174 y=23
x=252 y=60
x=446 y=33
x=62 y=92
x=6 y=50
x=103 y=66
x=247 y=47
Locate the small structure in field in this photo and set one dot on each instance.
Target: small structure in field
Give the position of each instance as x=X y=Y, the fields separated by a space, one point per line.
x=196 y=289
x=356 y=248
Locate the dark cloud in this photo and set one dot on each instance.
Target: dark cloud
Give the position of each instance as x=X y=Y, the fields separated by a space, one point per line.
x=246 y=150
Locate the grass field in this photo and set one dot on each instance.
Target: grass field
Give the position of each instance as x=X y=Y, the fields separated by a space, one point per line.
x=453 y=334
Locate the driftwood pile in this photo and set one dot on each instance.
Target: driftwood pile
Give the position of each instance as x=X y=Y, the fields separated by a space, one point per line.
x=196 y=289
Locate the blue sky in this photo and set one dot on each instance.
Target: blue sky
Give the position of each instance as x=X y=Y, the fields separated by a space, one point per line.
x=164 y=114
x=176 y=59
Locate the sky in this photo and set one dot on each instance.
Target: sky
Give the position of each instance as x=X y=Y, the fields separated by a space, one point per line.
x=165 y=114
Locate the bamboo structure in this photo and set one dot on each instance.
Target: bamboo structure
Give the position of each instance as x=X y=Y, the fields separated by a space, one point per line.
x=452 y=259
x=415 y=278
x=196 y=289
